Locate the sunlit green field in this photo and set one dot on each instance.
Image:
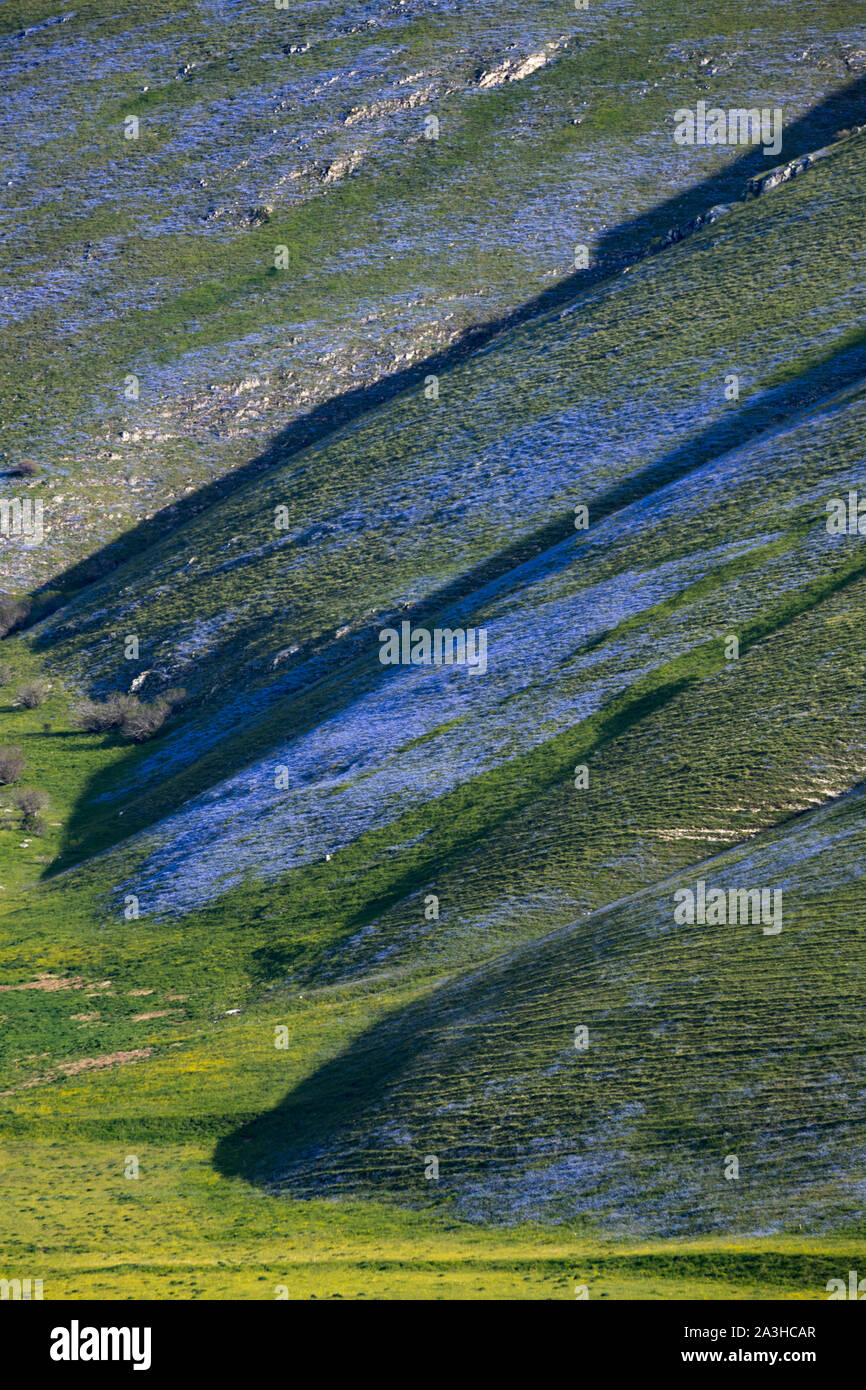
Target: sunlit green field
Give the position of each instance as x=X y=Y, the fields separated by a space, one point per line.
x=181 y=1231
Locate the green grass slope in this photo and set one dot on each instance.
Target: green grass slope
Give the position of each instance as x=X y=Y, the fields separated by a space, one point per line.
x=272 y=631
x=259 y=128
x=287 y=1037
x=704 y=1044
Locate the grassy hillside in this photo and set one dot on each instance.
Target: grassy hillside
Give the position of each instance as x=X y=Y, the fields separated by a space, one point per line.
x=264 y=617
x=154 y=257
x=702 y=1044
x=337 y=920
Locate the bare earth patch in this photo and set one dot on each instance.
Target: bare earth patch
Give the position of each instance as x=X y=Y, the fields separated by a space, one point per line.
x=111 y=1059
x=48 y=982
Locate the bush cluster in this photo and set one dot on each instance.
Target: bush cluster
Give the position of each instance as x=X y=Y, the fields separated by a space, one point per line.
x=32 y=695
x=11 y=764
x=136 y=719
x=29 y=800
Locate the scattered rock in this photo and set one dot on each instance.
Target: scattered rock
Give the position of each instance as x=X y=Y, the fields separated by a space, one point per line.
x=516 y=69
x=765 y=183
x=703 y=220
x=346 y=164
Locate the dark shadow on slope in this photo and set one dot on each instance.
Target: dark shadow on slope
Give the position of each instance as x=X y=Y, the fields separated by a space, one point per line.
x=340 y=672
x=343 y=1101
x=474 y=813
x=339 y=1128
x=626 y=244
x=342 y=1128
x=278 y=961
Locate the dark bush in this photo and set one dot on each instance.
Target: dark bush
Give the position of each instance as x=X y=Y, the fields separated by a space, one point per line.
x=32 y=695
x=144 y=721
x=30 y=801
x=96 y=716
x=11 y=764
x=136 y=719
